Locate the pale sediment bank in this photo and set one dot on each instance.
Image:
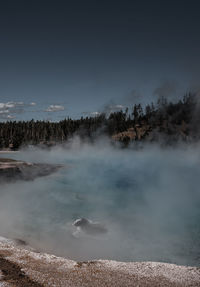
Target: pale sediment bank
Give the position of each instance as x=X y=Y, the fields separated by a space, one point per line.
x=20 y=266
x=12 y=170
x=8 y=151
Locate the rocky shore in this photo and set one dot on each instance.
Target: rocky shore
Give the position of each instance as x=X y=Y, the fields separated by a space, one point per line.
x=12 y=170
x=21 y=266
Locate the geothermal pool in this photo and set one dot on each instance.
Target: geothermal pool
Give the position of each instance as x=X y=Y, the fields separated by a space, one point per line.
x=147 y=199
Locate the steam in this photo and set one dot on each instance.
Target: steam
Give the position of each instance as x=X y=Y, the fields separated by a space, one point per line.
x=166 y=90
x=148 y=199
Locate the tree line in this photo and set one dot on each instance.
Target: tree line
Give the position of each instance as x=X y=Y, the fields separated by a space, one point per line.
x=163 y=116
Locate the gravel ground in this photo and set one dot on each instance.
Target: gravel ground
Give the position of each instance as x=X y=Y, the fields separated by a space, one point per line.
x=22 y=267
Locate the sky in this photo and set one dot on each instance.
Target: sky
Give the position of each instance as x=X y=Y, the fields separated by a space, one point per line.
x=80 y=57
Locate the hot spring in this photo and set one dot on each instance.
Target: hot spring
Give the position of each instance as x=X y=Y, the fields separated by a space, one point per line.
x=147 y=199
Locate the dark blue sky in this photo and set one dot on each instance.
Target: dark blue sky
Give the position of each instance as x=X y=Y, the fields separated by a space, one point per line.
x=74 y=57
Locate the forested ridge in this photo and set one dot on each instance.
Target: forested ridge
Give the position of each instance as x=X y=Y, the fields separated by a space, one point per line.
x=166 y=120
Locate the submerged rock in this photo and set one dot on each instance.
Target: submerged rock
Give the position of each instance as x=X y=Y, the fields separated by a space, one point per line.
x=89 y=227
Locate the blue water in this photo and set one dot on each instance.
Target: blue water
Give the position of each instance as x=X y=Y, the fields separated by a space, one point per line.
x=149 y=200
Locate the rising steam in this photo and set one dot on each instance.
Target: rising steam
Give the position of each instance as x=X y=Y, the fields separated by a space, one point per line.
x=147 y=199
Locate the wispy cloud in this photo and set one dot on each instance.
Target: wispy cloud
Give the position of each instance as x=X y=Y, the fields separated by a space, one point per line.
x=6 y=116
x=117 y=107
x=10 y=117
x=8 y=110
x=32 y=104
x=10 y=105
x=113 y=108
x=55 y=108
x=92 y=114
x=4 y=111
x=107 y=109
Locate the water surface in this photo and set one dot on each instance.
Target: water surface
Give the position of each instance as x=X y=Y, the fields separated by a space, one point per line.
x=148 y=199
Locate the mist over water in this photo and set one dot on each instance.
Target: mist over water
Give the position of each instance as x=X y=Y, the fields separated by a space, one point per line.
x=148 y=199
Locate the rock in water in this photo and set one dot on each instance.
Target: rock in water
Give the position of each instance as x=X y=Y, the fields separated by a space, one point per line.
x=89 y=227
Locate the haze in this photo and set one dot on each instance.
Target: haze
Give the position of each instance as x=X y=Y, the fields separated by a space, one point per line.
x=148 y=200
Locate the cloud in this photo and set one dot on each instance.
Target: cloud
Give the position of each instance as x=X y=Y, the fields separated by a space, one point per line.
x=10 y=105
x=113 y=108
x=117 y=107
x=107 y=109
x=6 y=116
x=9 y=109
x=55 y=108
x=10 y=117
x=92 y=114
x=4 y=111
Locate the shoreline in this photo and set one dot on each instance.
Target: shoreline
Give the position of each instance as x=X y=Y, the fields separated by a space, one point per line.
x=9 y=151
x=20 y=266
x=13 y=170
